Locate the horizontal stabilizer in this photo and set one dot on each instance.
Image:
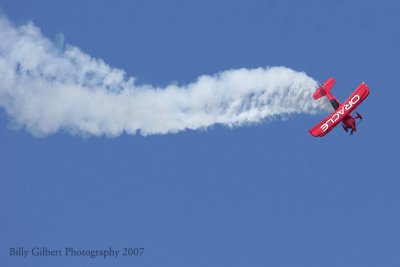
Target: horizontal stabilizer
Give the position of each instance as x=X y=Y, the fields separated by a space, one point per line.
x=322 y=90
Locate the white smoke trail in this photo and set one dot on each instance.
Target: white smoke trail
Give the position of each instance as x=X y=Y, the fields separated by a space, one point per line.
x=45 y=88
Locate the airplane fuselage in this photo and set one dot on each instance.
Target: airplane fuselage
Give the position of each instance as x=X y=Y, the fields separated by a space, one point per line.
x=348 y=121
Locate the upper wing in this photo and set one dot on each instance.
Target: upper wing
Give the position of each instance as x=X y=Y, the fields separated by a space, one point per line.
x=326 y=125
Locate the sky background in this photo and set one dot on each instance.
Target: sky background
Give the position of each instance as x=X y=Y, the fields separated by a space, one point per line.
x=262 y=195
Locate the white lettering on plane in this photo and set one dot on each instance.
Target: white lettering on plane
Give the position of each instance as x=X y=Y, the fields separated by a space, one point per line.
x=335 y=117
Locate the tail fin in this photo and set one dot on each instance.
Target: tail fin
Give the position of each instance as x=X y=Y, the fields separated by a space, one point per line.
x=322 y=90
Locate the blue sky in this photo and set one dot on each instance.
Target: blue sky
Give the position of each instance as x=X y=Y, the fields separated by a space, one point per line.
x=261 y=195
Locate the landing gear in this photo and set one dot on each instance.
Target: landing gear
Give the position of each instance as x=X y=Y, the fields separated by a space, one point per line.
x=345 y=128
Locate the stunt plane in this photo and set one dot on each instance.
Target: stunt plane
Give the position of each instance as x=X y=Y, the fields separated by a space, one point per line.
x=342 y=111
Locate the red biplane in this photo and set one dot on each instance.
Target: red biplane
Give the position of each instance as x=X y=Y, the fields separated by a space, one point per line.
x=342 y=111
